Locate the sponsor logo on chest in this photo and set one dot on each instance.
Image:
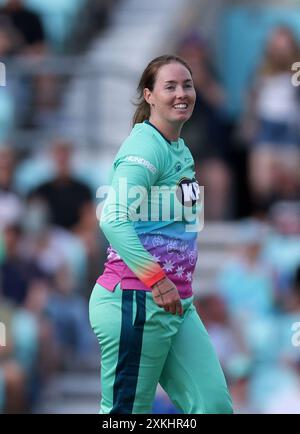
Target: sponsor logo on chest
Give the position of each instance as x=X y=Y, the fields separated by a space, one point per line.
x=188 y=191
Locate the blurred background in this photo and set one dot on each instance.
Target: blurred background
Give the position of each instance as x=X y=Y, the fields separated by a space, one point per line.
x=72 y=67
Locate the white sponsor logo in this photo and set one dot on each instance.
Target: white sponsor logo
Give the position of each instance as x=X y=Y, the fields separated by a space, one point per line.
x=141 y=161
x=190 y=191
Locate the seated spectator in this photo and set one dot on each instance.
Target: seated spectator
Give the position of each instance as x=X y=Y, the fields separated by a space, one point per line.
x=282 y=246
x=28 y=25
x=13 y=376
x=274 y=113
x=11 y=205
x=69 y=314
x=87 y=231
x=293 y=301
x=51 y=246
x=10 y=40
x=289 y=343
x=9 y=45
x=223 y=330
x=245 y=282
x=38 y=93
x=16 y=271
x=25 y=287
x=206 y=134
x=275 y=389
x=7 y=168
x=65 y=195
x=2 y=248
x=238 y=372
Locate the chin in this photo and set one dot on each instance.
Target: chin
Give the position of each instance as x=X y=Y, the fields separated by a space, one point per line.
x=184 y=117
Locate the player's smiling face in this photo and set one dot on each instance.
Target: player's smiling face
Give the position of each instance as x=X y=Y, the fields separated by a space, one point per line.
x=173 y=96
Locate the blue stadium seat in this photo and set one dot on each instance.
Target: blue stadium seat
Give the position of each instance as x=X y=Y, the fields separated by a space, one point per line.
x=58 y=17
x=6 y=114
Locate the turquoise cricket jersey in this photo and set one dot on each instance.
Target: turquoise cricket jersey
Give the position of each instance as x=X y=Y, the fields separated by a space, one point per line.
x=150 y=213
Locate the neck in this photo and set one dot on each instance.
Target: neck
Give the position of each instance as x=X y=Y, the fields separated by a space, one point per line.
x=170 y=130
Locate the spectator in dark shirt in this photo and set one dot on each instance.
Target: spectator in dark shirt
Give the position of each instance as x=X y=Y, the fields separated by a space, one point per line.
x=38 y=105
x=12 y=374
x=11 y=204
x=16 y=272
x=65 y=196
x=27 y=23
x=7 y=166
x=10 y=41
x=208 y=132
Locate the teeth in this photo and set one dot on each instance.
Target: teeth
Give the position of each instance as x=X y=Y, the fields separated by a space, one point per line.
x=180 y=106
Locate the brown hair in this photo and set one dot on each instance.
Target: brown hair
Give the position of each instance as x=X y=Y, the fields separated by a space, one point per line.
x=147 y=80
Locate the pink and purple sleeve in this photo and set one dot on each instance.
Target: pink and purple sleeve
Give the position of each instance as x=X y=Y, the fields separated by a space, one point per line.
x=118 y=227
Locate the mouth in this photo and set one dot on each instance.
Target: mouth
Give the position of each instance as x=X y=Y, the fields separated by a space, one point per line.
x=181 y=106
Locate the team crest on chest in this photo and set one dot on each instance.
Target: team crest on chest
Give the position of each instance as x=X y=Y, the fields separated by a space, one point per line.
x=178 y=167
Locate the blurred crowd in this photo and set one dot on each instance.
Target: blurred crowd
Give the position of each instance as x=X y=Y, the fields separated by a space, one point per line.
x=52 y=251
x=51 y=255
x=253 y=313
x=250 y=163
x=250 y=169
x=30 y=38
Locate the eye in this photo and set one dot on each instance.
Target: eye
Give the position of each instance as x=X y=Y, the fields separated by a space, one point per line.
x=188 y=85
x=170 y=87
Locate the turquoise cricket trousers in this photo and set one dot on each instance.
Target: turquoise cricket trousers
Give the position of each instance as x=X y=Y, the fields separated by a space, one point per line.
x=143 y=345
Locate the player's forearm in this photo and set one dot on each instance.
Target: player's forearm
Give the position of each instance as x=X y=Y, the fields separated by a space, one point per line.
x=124 y=239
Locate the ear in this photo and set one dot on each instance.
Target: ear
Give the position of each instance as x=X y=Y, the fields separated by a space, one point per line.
x=147 y=95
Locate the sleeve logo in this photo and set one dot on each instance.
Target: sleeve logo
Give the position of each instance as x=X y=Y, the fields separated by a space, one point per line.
x=142 y=162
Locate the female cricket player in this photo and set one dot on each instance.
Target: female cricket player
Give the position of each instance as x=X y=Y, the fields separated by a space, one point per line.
x=141 y=308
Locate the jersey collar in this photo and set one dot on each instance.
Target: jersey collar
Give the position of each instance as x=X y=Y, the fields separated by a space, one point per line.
x=153 y=126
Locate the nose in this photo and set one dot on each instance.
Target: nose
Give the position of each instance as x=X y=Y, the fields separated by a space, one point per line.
x=181 y=92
